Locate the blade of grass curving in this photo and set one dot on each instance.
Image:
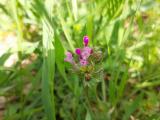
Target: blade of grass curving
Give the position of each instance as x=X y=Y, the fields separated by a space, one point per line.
x=3 y=8
x=75 y=9
x=118 y=7
x=66 y=32
x=64 y=26
x=39 y=8
x=132 y=107
x=69 y=11
x=149 y=84
x=60 y=59
x=4 y=57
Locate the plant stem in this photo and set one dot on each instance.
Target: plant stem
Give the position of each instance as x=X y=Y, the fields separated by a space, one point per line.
x=103 y=86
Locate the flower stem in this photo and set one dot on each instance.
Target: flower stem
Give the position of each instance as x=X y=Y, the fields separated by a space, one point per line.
x=103 y=86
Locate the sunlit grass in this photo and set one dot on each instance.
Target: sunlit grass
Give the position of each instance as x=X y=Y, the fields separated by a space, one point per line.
x=39 y=85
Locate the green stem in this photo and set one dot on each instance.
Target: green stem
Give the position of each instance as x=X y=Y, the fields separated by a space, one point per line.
x=87 y=100
x=103 y=86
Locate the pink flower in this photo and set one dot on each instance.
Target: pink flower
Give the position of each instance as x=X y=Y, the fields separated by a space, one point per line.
x=83 y=62
x=86 y=52
x=85 y=40
x=83 y=53
x=78 y=51
x=69 y=58
x=88 y=49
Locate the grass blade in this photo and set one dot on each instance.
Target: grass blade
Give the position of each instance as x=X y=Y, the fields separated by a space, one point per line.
x=132 y=107
x=48 y=64
x=48 y=74
x=60 y=59
x=74 y=8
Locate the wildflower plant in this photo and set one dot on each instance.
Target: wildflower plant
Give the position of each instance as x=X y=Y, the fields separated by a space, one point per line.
x=85 y=61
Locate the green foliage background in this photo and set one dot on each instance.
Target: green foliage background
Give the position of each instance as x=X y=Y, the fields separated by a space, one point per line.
x=126 y=31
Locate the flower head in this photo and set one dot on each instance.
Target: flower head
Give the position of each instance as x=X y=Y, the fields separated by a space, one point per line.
x=83 y=53
x=85 y=40
x=85 y=60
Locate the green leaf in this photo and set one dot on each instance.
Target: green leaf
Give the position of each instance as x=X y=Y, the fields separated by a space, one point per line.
x=4 y=57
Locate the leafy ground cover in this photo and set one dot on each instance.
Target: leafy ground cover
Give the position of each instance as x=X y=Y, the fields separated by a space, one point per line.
x=118 y=80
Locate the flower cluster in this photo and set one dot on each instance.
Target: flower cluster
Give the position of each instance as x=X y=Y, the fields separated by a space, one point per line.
x=86 y=61
x=83 y=53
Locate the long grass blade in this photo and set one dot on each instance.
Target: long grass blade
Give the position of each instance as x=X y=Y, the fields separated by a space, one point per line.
x=132 y=107
x=48 y=64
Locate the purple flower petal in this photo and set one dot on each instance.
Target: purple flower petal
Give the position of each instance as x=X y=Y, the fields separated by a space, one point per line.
x=69 y=58
x=88 y=49
x=69 y=54
x=83 y=62
x=86 y=52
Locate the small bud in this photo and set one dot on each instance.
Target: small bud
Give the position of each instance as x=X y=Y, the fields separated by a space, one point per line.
x=85 y=40
x=78 y=51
